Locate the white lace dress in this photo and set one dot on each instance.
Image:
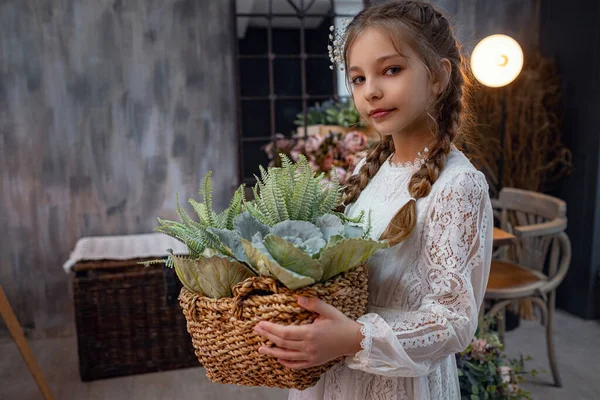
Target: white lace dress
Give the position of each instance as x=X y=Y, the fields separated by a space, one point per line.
x=424 y=293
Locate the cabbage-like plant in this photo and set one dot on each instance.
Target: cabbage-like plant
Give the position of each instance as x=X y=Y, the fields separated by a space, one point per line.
x=289 y=231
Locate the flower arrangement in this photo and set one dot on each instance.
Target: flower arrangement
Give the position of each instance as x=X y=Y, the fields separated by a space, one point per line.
x=336 y=153
x=485 y=372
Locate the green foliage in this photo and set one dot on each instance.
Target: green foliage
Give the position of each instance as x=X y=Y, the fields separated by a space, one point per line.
x=199 y=235
x=289 y=231
x=484 y=371
x=293 y=192
x=342 y=113
x=211 y=276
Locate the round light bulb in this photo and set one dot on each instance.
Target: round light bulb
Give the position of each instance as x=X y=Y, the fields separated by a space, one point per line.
x=497 y=60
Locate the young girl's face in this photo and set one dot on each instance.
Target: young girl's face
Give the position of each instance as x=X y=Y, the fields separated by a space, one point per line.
x=396 y=84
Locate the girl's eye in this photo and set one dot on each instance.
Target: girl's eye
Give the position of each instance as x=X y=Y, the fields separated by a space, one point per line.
x=390 y=72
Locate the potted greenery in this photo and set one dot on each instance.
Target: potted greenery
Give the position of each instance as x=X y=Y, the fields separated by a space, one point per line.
x=251 y=261
x=332 y=116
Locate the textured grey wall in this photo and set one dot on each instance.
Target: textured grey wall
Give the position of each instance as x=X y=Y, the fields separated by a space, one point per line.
x=475 y=19
x=107 y=108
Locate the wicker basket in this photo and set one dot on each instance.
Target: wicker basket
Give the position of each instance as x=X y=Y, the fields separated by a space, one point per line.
x=226 y=344
x=126 y=323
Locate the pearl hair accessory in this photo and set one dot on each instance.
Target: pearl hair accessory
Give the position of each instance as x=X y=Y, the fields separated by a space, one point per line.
x=337 y=41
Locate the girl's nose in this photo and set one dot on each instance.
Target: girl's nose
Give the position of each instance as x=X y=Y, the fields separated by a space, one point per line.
x=372 y=91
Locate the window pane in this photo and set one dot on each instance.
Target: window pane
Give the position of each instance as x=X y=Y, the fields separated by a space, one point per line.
x=255 y=118
x=319 y=78
x=288 y=80
x=285 y=115
x=317 y=37
x=254 y=40
x=254 y=77
x=286 y=35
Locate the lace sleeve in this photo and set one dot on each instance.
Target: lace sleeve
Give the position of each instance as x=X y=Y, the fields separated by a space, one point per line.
x=451 y=275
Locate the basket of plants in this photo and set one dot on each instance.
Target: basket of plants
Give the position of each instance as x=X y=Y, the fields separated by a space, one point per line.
x=250 y=262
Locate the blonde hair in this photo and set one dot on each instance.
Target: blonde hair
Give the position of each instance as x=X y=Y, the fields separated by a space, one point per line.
x=430 y=35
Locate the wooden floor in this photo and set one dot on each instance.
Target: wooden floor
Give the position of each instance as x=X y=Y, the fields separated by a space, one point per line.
x=578 y=348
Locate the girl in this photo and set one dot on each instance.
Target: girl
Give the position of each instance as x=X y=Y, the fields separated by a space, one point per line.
x=430 y=203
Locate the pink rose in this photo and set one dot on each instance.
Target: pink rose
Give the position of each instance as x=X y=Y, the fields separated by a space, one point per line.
x=295 y=155
x=313 y=143
x=281 y=142
x=352 y=160
x=479 y=345
x=354 y=141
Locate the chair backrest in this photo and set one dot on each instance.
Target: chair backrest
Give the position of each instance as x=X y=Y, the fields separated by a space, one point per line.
x=538 y=221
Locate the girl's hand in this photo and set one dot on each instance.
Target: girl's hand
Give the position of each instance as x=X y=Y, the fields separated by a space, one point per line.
x=330 y=336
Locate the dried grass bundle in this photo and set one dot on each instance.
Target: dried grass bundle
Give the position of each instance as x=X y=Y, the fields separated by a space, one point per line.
x=534 y=155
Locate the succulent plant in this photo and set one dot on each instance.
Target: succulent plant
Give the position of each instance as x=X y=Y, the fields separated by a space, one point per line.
x=289 y=231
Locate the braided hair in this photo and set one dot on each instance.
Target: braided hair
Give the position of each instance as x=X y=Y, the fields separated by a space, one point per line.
x=429 y=33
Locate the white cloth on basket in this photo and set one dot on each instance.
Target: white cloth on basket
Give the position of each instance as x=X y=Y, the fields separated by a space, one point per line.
x=125 y=247
x=424 y=293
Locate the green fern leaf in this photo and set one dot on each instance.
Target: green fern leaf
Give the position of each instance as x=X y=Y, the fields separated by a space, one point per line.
x=200 y=210
x=206 y=192
x=184 y=216
x=274 y=197
x=235 y=208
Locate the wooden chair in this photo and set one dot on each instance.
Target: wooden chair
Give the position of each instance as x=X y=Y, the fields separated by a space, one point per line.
x=536 y=264
x=15 y=330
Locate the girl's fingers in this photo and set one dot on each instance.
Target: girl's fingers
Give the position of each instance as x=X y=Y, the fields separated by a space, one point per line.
x=279 y=341
x=286 y=354
x=293 y=364
x=287 y=332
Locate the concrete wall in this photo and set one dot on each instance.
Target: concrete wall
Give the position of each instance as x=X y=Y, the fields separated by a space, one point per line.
x=107 y=109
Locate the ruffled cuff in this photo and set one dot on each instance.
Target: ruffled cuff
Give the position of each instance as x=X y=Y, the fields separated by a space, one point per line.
x=368 y=330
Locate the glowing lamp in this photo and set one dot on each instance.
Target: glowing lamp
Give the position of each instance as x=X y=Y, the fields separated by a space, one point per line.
x=497 y=60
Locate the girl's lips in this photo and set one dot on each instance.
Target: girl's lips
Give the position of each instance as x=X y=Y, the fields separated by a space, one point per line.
x=382 y=114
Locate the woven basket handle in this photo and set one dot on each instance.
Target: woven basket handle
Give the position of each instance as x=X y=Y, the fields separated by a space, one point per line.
x=243 y=289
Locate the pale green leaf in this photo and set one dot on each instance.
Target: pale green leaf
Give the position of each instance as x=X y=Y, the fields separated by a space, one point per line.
x=256 y=259
x=232 y=241
x=329 y=225
x=347 y=254
x=303 y=230
x=292 y=258
x=247 y=225
x=353 y=231
x=212 y=277
x=289 y=278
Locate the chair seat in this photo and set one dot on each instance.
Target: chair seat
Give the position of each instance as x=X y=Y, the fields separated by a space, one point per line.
x=506 y=277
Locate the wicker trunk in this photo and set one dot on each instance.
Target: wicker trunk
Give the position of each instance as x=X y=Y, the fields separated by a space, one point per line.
x=128 y=319
x=227 y=346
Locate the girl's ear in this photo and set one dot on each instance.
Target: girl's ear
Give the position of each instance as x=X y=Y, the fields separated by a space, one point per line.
x=441 y=82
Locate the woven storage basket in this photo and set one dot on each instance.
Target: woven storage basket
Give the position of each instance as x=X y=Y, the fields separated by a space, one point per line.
x=226 y=344
x=126 y=323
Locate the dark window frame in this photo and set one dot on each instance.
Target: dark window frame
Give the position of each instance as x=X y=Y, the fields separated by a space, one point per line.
x=302 y=12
